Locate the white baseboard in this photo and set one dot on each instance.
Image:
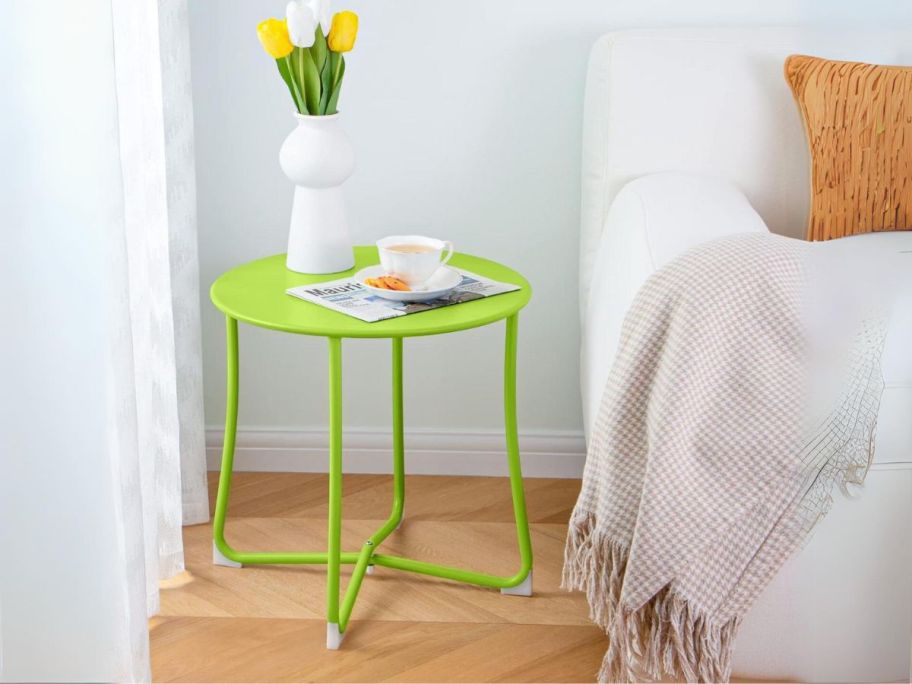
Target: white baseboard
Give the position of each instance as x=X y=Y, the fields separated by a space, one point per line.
x=427 y=452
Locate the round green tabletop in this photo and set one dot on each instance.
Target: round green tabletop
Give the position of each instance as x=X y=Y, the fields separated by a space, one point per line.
x=255 y=293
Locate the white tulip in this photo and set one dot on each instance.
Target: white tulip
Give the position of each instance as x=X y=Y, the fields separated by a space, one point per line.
x=302 y=23
x=320 y=9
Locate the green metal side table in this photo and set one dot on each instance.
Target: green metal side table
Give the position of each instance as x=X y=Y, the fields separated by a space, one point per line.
x=255 y=294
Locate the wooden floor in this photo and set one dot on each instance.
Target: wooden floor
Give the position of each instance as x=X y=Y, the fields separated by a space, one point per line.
x=266 y=624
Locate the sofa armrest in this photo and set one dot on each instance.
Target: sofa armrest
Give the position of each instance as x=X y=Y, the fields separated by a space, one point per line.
x=652 y=220
x=655 y=218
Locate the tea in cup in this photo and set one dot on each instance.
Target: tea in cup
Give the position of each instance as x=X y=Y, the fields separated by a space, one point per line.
x=413 y=258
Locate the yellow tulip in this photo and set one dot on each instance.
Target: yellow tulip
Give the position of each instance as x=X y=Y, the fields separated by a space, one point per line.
x=343 y=31
x=273 y=34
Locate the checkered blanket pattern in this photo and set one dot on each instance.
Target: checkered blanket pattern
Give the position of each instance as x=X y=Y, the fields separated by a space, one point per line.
x=705 y=472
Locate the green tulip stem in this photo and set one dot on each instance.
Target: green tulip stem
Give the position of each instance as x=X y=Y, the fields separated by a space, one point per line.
x=299 y=77
x=295 y=88
x=337 y=70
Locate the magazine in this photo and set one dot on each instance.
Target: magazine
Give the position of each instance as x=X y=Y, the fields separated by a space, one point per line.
x=348 y=296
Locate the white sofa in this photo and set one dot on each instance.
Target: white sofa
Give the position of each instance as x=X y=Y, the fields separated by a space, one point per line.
x=693 y=134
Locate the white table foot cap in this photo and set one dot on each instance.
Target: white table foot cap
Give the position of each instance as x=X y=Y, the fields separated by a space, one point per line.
x=219 y=559
x=524 y=588
x=333 y=636
x=370 y=570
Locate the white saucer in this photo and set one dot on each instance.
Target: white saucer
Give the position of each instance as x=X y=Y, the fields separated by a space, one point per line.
x=443 y=280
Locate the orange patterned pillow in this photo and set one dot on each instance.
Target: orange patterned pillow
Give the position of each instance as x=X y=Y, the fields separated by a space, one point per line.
x=858 y=120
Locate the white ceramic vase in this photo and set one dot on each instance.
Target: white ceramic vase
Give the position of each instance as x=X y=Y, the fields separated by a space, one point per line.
x=317 y=157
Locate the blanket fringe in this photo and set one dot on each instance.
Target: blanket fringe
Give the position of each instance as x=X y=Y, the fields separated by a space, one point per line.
x=664 y=636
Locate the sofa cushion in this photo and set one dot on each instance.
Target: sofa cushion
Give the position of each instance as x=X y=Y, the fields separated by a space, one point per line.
x=858 y=121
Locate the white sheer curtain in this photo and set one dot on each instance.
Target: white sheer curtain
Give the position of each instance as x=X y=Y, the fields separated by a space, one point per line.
x=101 y=426
x=155 y=117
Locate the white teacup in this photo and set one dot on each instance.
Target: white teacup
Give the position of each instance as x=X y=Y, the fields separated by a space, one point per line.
x=413 y=258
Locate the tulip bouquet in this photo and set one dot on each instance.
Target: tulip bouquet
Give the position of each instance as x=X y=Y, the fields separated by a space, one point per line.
x=308 y=46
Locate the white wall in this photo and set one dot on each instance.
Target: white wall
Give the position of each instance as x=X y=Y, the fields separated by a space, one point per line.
x=465 y=117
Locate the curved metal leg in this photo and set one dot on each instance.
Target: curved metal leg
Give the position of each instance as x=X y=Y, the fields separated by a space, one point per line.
x=364 y=563
x=524 y=586
x=221 y=552
x=394 y=522
x=519 y=584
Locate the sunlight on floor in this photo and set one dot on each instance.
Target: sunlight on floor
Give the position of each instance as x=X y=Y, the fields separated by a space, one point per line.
x=180 y=580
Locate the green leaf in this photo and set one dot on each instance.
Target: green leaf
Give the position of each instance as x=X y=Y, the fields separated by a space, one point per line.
x=335 y=64
x=285 y=71
x=331 y=107
x=308 y=79
x=326 y=84
x=318 y=50
x=297 y=78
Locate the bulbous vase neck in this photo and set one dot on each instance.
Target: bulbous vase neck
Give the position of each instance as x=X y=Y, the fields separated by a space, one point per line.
x=317 y=121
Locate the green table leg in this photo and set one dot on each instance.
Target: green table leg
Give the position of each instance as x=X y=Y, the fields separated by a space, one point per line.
x=519 y=584
x=333 y=628
x=398 y=437
x=364 y=562
x=395 y=518
x=524 y=586
x=222 y=554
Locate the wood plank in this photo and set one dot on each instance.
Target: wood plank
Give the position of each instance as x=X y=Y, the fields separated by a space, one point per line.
x=200 y=649
x=428 y=497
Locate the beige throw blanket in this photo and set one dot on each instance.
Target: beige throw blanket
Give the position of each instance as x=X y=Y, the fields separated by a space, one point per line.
x=706 y=468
